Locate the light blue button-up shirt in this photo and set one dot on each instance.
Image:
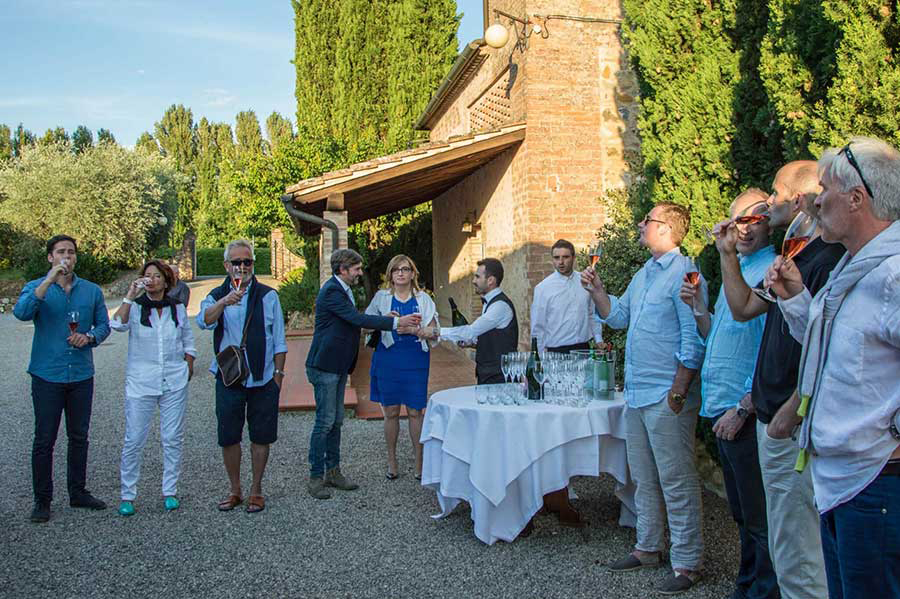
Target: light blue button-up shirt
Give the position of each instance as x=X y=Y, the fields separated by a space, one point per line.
x=661 y=329
x=52 y=358
x=234 y=329
x=731 y=346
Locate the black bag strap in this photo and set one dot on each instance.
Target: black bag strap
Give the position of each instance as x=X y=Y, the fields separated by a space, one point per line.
x=246 y=325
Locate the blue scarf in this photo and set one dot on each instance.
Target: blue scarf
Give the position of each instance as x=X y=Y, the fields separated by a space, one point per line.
x=256 y=333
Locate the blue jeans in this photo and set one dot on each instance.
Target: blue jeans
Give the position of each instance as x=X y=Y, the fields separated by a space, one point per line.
x=861 y=543
x=747 y=500
x=325 y=441
x=50 y=401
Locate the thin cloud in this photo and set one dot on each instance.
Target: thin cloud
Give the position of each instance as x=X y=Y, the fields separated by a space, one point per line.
x=218 y=98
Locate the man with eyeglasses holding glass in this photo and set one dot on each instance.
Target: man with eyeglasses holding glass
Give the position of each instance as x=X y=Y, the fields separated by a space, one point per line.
x=794 y=541
x=849 y=388
x=662 y=356
x=226 y=310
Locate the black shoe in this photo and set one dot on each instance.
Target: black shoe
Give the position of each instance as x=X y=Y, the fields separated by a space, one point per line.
x=41 y=511
x=87 y=501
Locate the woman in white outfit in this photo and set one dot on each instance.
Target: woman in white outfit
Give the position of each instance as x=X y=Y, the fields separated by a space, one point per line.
x=160 y=363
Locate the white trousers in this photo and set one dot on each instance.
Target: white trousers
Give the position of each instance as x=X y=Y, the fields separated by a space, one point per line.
x=139 y=412
x=795 y=540
x=660 y=448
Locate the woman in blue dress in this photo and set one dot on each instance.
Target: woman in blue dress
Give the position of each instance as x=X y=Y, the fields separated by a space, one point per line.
x=399 y=372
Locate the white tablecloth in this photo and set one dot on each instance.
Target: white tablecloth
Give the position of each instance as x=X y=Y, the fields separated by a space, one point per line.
x=503 y=459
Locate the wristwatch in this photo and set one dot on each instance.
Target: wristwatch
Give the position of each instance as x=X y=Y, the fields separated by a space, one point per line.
x=281 y=372
x=742 y=412
x=90 y=337
x=895 y=425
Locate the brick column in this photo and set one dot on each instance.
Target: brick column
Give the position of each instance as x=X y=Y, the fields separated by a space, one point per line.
x=334 y=211
x=187 y=258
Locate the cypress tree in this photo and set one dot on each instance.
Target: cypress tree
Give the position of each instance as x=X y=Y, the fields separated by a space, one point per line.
x=421 y=47
x=82 y=139
x=176 y=135
x=22 y=138
x=146 y=143
x=249 y=135
x=6 y=147
x=315 y=27
x=279 y=130
x=105 y=136
x=54 y=136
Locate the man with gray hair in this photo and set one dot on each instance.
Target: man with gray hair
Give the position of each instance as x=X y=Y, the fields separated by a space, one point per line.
x=332 y=357
x=246 y=314
x=849 y=392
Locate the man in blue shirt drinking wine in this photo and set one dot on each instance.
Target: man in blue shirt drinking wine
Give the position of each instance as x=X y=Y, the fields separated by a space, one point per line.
x=70 y=319
x=662 y=355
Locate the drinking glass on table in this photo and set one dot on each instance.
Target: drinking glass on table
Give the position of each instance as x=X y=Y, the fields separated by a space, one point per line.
x=797 y=237
x=594 y=255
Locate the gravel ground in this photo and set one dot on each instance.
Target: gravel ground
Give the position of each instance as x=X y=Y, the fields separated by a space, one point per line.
x=375 y=542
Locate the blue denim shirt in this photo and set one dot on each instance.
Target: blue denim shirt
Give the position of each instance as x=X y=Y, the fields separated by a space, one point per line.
x=661 y=329
x=234 y=328
x=731 y=346
x=52 y=358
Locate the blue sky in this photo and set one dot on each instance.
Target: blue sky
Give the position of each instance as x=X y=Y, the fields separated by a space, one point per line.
x=119 y=64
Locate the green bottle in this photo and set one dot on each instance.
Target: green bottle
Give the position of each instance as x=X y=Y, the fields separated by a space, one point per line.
x=534 y=361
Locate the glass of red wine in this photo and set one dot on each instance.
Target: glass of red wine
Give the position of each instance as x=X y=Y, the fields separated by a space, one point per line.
x=594 y=255
x=797 y=237
x=692 y=276
x=72 y=319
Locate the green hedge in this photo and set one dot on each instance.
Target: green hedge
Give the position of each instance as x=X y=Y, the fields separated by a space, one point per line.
x=298 y=292
x=209 y=261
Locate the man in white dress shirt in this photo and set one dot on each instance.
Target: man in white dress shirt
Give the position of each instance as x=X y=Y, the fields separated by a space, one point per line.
x=494 y=333
x=562 y=312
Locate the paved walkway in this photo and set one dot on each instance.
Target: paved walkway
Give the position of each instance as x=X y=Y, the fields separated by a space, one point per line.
x=376 y=542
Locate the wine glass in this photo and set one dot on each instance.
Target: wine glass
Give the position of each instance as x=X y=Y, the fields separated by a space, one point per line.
x=595 y=254
x=692 y=276
x=72 y=318
x=797 y=237
x=540 y=375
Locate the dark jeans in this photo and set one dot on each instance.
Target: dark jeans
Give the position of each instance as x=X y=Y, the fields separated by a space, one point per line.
x=50 y=401
x=861 y=543
x=325 y=441
x=747 y=500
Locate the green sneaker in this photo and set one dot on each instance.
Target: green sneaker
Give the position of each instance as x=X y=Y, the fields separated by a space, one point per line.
x=171 y=503
x=126 y=508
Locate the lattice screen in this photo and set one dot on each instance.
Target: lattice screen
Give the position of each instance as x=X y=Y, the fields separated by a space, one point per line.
x=493 y=108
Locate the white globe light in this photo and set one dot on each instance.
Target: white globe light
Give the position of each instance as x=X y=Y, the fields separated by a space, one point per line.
x=162 y=220
x=496 y=36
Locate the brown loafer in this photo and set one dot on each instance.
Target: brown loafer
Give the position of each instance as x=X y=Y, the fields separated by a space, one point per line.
x=229 y=504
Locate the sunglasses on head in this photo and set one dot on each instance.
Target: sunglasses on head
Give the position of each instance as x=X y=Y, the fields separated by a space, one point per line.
x=751 y=219
x=846 y=151
x=244 y=262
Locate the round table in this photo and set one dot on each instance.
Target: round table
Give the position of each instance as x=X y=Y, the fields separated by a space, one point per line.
x=502 y=460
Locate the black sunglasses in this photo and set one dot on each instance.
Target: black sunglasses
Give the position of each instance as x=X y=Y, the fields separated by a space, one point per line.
x=846 y=151
x=244 y=262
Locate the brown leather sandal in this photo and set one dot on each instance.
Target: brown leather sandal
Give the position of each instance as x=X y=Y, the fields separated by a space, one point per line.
x=229 y=504
x=255 y=503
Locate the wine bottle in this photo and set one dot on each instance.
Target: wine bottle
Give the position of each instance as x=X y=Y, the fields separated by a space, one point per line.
x=534 y=361
x=456 y=317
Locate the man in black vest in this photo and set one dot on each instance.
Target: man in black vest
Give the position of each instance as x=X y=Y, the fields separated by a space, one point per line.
x=226 y=310
x=495 y=332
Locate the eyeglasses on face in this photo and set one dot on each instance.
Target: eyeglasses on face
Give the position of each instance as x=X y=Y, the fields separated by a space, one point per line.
x=244 y=262
x=647 y=220
x=404 y=269
x=846 y=151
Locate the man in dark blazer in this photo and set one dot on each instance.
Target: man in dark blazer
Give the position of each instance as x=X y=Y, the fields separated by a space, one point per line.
x=331 y=358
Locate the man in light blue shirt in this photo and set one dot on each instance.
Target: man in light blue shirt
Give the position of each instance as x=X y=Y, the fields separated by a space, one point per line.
x=727 y=379
x=70 y=319
x=662 y=356
x=226 y=310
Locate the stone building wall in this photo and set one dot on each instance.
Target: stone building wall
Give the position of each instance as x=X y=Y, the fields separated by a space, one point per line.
x=578 y=98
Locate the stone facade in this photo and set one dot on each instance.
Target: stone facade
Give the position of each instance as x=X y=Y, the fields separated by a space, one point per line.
x=578 y=99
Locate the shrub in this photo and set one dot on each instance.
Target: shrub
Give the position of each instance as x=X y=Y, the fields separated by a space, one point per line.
x=108 y=198
x=298 y=292
x=93 y=268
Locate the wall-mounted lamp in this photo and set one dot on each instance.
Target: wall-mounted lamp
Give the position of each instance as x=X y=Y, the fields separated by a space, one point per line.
x=497 y=35
x=470 y=225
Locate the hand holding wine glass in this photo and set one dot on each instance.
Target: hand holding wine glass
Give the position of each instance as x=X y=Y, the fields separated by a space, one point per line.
x=594 y=255
x=692 y=280
x=783 y=278
x=797 y=237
